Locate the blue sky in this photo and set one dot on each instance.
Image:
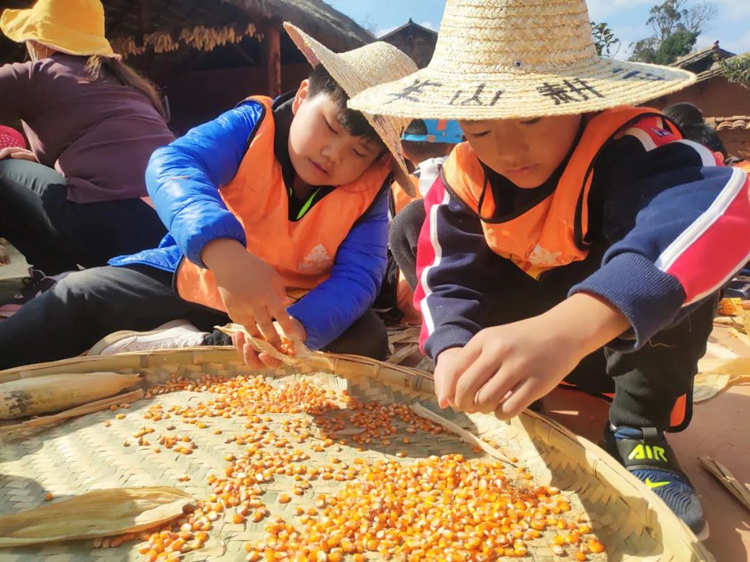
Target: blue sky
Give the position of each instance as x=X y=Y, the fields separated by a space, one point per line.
x=627 y=18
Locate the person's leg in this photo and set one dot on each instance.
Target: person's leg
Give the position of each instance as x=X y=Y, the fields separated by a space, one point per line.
x=102 y=230
x=367 y=336
x=653 y=392
x=402 y=239
x=26 y=189
x=85 y=306
x=648 y=382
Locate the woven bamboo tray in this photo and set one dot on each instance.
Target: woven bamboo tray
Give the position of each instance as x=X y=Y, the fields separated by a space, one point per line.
x=87 y=453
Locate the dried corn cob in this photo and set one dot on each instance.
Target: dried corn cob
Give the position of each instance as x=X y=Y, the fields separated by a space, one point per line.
x=50 y=393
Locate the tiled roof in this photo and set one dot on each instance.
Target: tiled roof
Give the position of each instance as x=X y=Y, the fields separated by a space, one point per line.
x=702 y=58
x=736 y=122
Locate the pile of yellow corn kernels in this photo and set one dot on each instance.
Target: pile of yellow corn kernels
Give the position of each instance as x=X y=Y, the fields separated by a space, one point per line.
x=446 y=508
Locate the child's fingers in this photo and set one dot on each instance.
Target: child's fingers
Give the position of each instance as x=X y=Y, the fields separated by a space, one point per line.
x=290 y=327
x=251 y=357
x=238 y=340
x=451 y=363
x=494 y=392
x=472 y=379
x=245 y=318
x=268 y=360
x=265 y=324
x=518 y=399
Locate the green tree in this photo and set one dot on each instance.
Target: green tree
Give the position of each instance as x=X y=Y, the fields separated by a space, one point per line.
x=737 y=69
x=675 y=28
x=604 y=39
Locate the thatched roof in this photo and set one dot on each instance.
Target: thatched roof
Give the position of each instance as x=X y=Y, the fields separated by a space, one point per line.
x=137 y=26
x=228 y=19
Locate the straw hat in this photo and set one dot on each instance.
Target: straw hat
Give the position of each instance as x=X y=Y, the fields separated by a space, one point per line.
x=75 y=27
x=357 y=70
x=505 y=59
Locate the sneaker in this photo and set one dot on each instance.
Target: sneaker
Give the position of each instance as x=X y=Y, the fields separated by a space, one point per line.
x=33 y=285
x=172 y=335
x=647 y=455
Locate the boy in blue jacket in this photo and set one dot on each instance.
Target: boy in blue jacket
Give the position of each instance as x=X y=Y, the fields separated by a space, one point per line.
x=272 y=203
x=573 y=236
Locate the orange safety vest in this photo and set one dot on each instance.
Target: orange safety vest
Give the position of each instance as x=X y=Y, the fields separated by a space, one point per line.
x=544 y=237
x=301 y=251
x=400 y=198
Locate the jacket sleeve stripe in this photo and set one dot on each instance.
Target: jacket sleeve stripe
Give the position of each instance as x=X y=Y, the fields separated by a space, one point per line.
x=710 y=244
x=707 y=157
x=429 y=255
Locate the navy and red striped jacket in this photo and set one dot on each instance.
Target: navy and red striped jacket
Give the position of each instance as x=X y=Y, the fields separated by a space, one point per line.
x=676 y=227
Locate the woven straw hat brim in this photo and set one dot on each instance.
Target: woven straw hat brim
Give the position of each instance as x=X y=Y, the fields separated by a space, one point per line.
x=357 y=70
x=28 y=25
x=505 y=59
x=442 y=91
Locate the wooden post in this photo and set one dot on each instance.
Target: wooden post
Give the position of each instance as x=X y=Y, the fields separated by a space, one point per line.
x=144 y=21
x=272 y=56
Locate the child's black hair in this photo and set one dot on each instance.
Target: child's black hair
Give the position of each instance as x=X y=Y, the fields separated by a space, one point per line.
x=416 y=127
x=684 y=114
x=353 y=121
x=706 y=135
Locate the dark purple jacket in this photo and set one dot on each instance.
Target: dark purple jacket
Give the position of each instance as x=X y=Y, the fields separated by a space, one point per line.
x=98 y=134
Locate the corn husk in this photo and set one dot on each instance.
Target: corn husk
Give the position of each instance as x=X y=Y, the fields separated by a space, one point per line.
x=708 y=385
x=31 y=396
x=100 y=513
x=727 y=479
x=299 y=357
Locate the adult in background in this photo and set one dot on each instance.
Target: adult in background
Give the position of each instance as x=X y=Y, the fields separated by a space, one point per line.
x=76 y=197
x=9 y=137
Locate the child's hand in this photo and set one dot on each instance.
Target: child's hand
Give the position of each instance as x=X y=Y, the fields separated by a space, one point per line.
x=505 y=368
x=257 y=360
x=251 y=290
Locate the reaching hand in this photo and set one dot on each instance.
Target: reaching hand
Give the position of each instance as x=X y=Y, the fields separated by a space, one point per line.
x=252 y=291
x=257 y=360
x=505 y=368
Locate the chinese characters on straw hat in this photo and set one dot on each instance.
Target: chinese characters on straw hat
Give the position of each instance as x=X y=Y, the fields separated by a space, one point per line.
x=518 y=59
x=357 y=70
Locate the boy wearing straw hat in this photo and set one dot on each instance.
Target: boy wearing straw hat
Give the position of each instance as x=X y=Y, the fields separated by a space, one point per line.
x=274 y=200
x=570 y=222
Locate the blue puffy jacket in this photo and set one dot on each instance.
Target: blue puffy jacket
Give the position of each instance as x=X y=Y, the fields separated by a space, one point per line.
x=183 y=180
